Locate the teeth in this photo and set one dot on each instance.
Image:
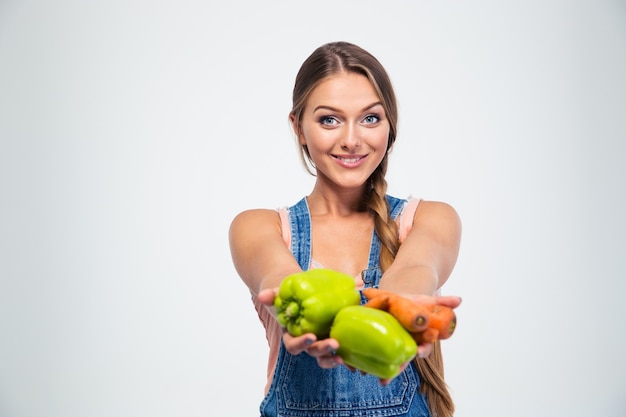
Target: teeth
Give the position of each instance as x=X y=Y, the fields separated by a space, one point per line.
x=349 y=159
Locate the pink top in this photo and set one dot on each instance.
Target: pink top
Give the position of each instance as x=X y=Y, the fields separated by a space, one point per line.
x=273 y=331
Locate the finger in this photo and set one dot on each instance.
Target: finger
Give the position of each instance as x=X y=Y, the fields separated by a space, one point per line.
x=323 y=347
x=296 y=345
x=329 y=361
x=451 y=301
x=424 y=350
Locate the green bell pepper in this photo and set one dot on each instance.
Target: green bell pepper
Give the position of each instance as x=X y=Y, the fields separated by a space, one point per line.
x=372 y=341
x=308 y=301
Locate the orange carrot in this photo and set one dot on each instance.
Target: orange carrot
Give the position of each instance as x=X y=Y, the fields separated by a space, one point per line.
x=376 y=299
x=413 y=316
x=426 y=323
x=443 y=319
x=429 y=335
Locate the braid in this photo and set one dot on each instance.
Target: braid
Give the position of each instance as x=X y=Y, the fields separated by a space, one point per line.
x=430 y=368
x=434 y=386
x=384 y=224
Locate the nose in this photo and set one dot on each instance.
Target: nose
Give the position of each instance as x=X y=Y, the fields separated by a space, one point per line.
x=350 y=139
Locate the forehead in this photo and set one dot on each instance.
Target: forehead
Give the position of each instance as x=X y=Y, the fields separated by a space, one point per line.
x=344 y=89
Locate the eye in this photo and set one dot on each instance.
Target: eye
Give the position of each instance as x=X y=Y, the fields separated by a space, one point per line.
x=371 y=118
x=328 y=121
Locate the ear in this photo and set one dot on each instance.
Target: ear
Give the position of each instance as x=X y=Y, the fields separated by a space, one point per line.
x=297 y=129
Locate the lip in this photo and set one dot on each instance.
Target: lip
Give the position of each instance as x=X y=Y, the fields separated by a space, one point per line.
x=350 y=161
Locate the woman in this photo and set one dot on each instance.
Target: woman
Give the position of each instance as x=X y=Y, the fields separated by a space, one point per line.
x=344 y=117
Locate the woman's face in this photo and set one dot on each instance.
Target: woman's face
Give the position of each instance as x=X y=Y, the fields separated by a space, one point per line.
x=345 y=129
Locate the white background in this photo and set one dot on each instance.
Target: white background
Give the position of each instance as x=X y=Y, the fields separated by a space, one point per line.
x=131 y=133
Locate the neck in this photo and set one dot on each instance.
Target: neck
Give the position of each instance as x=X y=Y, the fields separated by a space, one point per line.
x=324 y=201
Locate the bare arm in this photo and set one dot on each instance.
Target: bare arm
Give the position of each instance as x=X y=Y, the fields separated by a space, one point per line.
x=427 y=257
x=258 y=251
x=262 y=260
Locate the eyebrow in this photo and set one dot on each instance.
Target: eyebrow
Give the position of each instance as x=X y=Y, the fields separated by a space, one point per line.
x=324 y=107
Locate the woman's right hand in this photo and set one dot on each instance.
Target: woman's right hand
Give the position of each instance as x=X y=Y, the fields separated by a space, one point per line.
x=323 y=350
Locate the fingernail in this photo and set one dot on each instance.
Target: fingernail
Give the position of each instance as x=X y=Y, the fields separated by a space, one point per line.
x=332 y=351
x=309 y=342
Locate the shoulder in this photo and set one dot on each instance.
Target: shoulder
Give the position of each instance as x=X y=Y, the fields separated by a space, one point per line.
x=437 y=213
x=435 y=208
x=255 y=219
x=255 y=215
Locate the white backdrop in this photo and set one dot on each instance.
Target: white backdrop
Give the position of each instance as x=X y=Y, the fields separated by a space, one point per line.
x=131 y=133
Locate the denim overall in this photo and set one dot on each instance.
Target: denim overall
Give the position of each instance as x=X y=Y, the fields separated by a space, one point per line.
x=300 y=388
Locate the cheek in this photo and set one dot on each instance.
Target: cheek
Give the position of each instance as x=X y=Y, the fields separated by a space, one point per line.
x=379 y=140
x=321 y=139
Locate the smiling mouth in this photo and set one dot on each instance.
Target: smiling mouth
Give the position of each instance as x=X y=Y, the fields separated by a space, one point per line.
x=349 y=160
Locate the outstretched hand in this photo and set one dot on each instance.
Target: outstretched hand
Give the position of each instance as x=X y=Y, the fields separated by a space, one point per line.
x=323 y=350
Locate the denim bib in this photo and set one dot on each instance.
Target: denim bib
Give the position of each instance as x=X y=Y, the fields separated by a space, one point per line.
x=300 y=388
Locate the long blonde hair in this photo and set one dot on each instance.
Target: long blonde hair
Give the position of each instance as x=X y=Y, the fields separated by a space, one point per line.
x=325 y=61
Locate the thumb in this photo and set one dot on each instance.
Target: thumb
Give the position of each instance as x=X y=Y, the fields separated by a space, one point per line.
x=267 y=296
